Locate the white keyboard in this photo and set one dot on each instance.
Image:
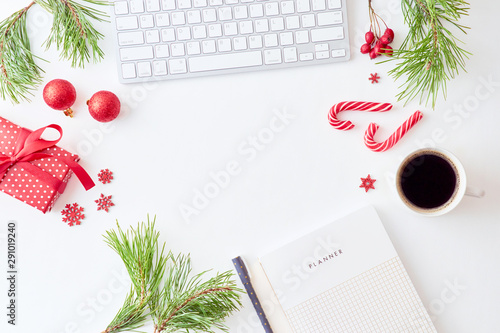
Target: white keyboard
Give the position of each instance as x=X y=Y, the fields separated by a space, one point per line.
x=171 y=39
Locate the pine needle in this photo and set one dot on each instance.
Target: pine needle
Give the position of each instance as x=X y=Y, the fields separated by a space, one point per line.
x=18 y=71
x=430 y=55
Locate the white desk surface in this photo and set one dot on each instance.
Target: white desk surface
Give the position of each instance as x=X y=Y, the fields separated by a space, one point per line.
x=171 y=135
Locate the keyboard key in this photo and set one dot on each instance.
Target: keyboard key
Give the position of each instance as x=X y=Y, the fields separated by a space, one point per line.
x=326 y=34
x=286 y=38
x=224 y=44
x=208 y=46
x=215 y=2
x=161 y=51
x=272 y=8
x=287 y=7
x=177 y=66
x=199 y=3
x=240 y=12
x=136 y=6
x=193 y=48
x=136 y=53
x=143 y=69
x=183 y=33
x=318 y=5
x=160 y=67
x=271 y=40
x=338 y=53
x=121 y=8
x=215 y=30
x=334 y=4
x=255 y=41
x=178 y=18
x=209 y=15
x=199 y=31
x=290 y=54
x=152 y=36
x=246 y=27
x=303 y=6
x=168 y=4
x=321 y=47
x=127 y=23
x=256 y=10
x=322 y=55
x=130 y=38
x=306 y=56
x=225 y=61
x=308 y=21
x=146 y=21
x=277 y=24
x=230 y=29
x=292 y=22
x=225 y=14
x=329 y=18
x=152 y=5
x=240 y=43
x=231 y=2
x=194 y=16
x=272 y=57
x=261 y=25
x=168 y=35
x=301 y=37
x=177 y=49
x=246 y=1
x=183 y=4
x=128 y=71
x=162 y=20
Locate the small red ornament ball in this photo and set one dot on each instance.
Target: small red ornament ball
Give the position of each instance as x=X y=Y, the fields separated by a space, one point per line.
x=104 y=106
x=60 y=95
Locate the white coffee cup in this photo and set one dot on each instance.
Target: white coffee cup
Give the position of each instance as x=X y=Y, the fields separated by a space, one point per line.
x=416 y=193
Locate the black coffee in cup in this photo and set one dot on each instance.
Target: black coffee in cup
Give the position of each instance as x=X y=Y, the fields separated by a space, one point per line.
x=428 y=180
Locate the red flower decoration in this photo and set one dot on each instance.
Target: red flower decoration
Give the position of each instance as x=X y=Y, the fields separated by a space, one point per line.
x=105 y=176
x=73 y=214
x=374 y=78
x=104 y=202
x=367 y=183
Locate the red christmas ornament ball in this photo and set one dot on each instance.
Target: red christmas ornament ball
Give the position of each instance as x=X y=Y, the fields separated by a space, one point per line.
x=60 y=95
x=104 y=106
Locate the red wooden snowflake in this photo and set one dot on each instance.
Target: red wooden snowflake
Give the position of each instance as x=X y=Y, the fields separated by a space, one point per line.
x=104 y=202
x=105 y=176
x=73 y=214
x=367 y=183
x=374 y=78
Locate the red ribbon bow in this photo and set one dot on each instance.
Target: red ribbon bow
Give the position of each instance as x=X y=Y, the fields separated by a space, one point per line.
x=28 y=148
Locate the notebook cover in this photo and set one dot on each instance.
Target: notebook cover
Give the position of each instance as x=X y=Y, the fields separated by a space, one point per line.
x=346 y=277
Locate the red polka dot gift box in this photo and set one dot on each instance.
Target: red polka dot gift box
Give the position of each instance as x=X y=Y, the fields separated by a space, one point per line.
x=35 y=170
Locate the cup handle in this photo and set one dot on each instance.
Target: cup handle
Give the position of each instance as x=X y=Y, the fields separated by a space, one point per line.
x=474 y=192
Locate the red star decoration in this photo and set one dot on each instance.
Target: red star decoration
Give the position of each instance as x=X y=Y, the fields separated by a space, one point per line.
x=104 y=202
x=367 y=183
x=374 y=78
x=105 y=176
x=73 y=214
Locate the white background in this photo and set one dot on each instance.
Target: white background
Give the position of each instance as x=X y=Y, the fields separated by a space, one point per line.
x=170 y=136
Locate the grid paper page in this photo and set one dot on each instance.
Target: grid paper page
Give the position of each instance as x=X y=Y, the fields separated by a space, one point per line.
x=381 y=300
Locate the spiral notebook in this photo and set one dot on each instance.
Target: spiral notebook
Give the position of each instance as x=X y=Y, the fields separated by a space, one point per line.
x=346 y=277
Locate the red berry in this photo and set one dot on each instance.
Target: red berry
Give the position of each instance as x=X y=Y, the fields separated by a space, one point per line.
x=104 y=106
x=369 y=37
x=388 y=51
x=366 y=48
x=379 y=47
x=385 y=39
x=373 y=54
x=389 y=33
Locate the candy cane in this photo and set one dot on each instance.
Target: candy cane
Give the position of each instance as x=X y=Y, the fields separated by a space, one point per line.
x=394 y=138
x=345 y=125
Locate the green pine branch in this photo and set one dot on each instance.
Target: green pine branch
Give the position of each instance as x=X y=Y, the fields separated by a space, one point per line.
x=430 y=54
x=72 y=32
x=174 y=299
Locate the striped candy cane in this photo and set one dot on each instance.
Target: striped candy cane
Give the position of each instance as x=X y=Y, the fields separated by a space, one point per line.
x=346 y=125
x=394 y=138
